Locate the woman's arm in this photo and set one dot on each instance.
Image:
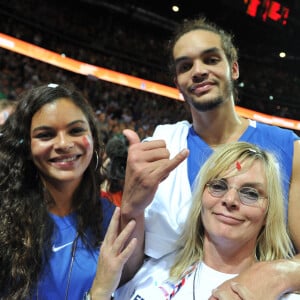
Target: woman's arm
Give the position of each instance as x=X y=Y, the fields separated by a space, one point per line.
x=114 y=253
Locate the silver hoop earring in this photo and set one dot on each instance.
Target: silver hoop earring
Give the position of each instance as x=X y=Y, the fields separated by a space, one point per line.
x=97 y=160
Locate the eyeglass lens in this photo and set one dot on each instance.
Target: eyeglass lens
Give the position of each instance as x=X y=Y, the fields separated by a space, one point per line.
x=247 y=195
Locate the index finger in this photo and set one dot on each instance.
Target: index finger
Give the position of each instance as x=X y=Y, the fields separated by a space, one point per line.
x=112 y=230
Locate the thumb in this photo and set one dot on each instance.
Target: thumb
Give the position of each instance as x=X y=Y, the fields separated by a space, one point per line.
x=132 y=136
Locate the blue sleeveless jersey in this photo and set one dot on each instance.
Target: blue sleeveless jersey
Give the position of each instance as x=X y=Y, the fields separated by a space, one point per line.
x=276 y=140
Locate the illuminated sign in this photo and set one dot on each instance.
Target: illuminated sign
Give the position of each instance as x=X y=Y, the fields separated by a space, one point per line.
x=267 y=10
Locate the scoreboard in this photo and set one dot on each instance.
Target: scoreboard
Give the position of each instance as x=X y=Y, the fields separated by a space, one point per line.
x=268 y=10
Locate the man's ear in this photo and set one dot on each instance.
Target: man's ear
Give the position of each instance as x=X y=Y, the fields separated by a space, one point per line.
x=235 y=71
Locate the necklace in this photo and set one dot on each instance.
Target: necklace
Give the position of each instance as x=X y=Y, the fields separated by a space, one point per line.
x=194 y=280
x=74 y=247
x=73 y=253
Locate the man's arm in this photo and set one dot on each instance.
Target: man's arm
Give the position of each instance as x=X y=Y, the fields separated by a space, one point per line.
x=148 y=164
x=262 y=281
x=294 y=199
x=122 y=251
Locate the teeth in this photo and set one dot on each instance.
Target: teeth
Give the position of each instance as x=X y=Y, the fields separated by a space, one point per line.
x=66 y=159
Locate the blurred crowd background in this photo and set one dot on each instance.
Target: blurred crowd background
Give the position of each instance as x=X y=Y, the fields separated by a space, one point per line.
x=106 y=37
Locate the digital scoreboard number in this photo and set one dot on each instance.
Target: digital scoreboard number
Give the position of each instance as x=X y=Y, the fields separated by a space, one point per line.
x=268 y=10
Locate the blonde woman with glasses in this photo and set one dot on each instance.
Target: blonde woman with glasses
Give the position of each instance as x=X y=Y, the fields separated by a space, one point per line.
x=236 y=220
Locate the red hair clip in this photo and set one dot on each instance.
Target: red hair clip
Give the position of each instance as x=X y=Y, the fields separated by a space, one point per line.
x=238 y=165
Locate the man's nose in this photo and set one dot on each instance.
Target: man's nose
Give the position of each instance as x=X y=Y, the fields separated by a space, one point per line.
x=199 y=71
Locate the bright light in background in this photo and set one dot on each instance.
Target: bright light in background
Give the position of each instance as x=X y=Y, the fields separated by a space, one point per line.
x=175 y=8
x=282 y=54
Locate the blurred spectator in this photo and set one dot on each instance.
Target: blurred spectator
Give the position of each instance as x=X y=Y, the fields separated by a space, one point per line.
x=127 y=45
x=7 y=107
x=114 y=168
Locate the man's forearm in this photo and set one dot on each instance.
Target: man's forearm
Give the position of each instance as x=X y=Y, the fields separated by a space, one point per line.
x=137 y=258
x=291 y=272
x=265 y=280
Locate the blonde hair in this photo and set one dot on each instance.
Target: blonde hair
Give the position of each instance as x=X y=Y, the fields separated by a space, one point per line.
x=273 y=241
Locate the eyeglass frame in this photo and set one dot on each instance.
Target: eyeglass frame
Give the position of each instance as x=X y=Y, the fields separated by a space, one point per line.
x=241 y=196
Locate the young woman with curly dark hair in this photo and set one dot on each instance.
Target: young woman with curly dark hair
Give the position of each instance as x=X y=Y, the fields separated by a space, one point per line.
x=52 y=221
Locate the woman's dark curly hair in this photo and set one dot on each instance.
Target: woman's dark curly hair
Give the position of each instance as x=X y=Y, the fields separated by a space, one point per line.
x=25 y=225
